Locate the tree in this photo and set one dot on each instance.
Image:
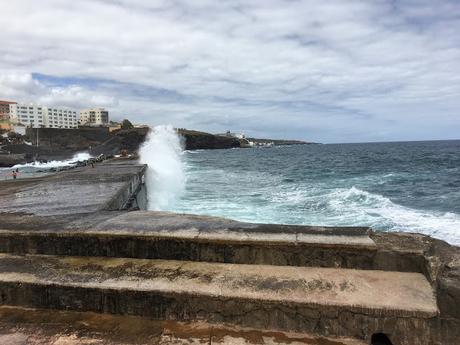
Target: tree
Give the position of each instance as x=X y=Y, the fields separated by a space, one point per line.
x=126 y=124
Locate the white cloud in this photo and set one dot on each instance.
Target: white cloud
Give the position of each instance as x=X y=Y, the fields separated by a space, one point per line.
x=325 y=71
x=23 y=87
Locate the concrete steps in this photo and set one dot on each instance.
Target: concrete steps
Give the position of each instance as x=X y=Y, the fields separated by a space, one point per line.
x=325 y=301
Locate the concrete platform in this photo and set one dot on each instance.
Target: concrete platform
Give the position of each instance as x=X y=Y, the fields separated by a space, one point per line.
x=74 y=191
x=21 y=326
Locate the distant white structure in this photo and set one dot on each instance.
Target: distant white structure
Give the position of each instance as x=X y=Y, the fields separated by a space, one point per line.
x=61 y=118
x=38 y=116
x=94 y=116
x=234 y=135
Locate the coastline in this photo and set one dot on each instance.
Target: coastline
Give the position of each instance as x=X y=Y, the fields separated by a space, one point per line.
x=60 y=144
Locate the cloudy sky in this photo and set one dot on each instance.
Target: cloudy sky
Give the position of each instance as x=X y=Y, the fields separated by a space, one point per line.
x=327 y=71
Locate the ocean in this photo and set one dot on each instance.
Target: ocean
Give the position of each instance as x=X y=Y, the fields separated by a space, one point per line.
x=398 y=186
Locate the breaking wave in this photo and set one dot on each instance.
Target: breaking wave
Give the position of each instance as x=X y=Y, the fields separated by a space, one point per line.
x=78 y=157
x=165 y=177
x=354 y=206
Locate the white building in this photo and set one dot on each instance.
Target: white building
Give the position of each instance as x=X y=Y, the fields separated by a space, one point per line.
x=38 y=116
x=61 y=118
x=234 y=135
x=94 y=116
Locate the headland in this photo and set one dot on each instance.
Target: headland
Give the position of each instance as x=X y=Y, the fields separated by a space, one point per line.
x=47 y=144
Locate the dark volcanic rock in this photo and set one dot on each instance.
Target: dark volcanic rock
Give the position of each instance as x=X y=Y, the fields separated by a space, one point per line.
x=195 y=140
x=60 y=144
x=12 y=159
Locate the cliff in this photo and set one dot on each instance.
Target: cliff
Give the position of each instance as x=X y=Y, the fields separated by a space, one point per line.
x=195 y=140
x=57 y=143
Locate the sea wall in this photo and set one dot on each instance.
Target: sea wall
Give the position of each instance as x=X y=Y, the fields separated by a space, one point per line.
x=76 y=139
x=132 y=195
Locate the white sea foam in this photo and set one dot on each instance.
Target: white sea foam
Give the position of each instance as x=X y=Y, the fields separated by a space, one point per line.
x=162 y=151
x=81 y=156
x=357 y=207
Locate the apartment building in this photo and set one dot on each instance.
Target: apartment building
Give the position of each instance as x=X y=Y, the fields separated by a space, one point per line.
x=28 y=115
x=38 y=116
x=94 y=116
x=62 y=118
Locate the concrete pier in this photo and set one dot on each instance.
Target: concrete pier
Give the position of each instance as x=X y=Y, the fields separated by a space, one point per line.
x=80 y=241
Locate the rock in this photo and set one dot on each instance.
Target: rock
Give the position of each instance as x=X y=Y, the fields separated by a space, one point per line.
x=12 y=159
x=195 y=140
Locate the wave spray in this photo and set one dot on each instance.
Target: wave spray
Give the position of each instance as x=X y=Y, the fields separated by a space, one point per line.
x=165 y=178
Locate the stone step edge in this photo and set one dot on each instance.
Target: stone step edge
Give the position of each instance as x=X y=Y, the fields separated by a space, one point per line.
x=229 y=237
x=130 y=285
x=401 y=314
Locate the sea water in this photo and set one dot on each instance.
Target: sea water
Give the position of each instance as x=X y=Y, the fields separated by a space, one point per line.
x=405 y=186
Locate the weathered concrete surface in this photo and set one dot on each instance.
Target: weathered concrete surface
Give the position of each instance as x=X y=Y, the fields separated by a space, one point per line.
x=442 y=269
x=352 y=303
x=366 y=292
x=21 y=326
x=79 y=190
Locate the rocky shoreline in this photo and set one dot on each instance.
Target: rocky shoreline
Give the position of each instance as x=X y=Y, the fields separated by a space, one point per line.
x=61 y=144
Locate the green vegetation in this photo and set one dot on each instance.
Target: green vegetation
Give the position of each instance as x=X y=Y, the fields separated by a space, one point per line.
x=126 y=124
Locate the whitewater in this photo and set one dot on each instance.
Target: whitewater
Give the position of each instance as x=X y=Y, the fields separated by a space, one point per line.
x=165 y=177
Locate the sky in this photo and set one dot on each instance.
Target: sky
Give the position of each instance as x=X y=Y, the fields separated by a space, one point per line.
x=324 y=71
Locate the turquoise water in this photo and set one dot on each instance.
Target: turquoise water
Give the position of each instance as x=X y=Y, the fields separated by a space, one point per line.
x=409 y=186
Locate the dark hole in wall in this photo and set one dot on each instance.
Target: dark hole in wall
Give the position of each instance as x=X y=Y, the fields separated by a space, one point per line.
x=380 y=339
